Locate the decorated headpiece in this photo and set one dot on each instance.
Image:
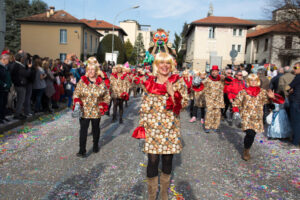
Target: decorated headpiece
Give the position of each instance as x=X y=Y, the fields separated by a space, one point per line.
x=92 y=62
x=160 y=37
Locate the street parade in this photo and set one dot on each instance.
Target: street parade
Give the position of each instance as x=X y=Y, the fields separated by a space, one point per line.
x=166 y=123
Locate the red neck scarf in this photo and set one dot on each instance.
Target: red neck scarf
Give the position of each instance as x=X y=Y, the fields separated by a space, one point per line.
x=253 y=91
x=215 y=79
x=116 y=75
x=198 y=89
x=160 y=89
x=87 y=82
x=188 y=81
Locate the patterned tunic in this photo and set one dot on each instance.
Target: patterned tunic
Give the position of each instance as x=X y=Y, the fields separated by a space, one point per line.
x=92 y=97
x=251 y=109
x=199 y=97
x=159 y=116
x=119 y=85
x=213 y=92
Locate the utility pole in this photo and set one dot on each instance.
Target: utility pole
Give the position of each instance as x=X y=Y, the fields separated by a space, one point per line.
x=2 y=24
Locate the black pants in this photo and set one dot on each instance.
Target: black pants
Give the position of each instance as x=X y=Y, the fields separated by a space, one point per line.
x=195 y=111
x=153 y=162
x=192 y=108
x=84 y=125
x=249 y=138
x=118 y=103
x=227 y=105
x=3 y=103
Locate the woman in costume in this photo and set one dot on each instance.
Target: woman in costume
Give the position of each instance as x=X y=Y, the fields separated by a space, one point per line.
x=198 y=92
x=119 y=91
x=249 y=103
x=91 y=98
x=164 y=97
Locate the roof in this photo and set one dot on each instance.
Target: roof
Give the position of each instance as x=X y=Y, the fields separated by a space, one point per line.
x=220 y=21
x=59 y=16
x=102 y=25
x=261 y=22
x=214 y=20
x=278 y=28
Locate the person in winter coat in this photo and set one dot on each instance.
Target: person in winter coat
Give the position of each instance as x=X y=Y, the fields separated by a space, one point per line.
x=165 y=96
x=50 y=90
x=248 y=105
x=198 y=92
x=5 y=84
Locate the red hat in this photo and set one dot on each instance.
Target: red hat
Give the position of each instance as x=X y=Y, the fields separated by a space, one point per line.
x=215 y=67
x=5 y=52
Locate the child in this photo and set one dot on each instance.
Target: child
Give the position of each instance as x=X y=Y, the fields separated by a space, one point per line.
x=69 y=89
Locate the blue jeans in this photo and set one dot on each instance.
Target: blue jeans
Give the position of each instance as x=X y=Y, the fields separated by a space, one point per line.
x=70 y=100
x=38 y=98
x=295 y=121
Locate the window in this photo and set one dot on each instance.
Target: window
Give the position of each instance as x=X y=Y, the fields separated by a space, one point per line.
x=62 y=57
x=257 y=45
x=85 y=40
x=106 y=31
x=233 y=47
x=91 y=42
x=211 y=32
x=239 y=48
x=240 y=32
x=288 y=42
x=266 y=44
x=63 y=36
x=234 y=31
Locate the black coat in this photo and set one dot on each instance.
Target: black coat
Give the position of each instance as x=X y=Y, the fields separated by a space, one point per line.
x=5 y=79
x=20 y=75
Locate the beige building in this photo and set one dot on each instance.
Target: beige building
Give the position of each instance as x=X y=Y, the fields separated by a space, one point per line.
x=277 y=43
x=54 y=34
x=105 y=28
x=210 y=40
x=133 y=29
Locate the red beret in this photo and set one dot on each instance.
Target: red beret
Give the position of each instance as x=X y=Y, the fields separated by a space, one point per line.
x=215 y=67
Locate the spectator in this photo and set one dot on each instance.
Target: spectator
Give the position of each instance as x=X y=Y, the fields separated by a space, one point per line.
x=50 y=90
x=69 y=89
x=275 y=81
x=20 y=76
x=81 y=69
x=30 y=79
x=295 y=104
x=5 y=84
x=265 y=83
x=285 y=80
x=39 y=84
x=75 y=72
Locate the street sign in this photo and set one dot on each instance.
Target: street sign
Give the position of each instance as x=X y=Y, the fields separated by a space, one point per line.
x=233 y=53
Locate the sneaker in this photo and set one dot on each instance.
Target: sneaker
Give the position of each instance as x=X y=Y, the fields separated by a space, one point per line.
x=193 y=119
x=81 y=155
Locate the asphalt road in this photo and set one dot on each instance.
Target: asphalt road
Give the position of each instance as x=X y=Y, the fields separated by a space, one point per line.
x=38 y=161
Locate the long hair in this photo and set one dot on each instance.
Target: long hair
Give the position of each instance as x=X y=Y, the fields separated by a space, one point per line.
x=163 y=57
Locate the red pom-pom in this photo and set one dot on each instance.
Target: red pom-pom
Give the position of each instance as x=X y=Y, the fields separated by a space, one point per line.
x=235 y=109
x=278 y=99
x=77 y=100
x=139 y=133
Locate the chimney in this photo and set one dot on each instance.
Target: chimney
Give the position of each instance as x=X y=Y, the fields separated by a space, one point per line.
x=48 y=13
x=52 y=8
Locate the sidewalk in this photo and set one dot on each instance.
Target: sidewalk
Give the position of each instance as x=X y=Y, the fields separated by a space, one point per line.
x=13 y=123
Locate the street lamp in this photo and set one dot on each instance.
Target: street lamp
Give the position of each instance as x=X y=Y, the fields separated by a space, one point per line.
x=113 y=34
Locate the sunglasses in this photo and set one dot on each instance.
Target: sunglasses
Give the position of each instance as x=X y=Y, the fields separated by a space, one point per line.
x=296 y=68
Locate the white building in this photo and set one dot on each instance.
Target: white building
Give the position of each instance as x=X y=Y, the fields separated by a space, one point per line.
x=278 y=43
x=210 y=40
x=133 y=29
x=2 y=24
x=105 y=28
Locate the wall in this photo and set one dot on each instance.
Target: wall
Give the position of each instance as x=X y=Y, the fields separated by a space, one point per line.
x=131 y=28
x=94 y=48
x=44 y=39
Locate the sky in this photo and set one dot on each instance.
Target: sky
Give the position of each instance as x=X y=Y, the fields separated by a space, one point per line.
x=167 y=14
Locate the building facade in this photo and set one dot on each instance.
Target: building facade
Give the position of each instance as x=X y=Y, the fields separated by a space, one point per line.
x=55 y=34
x=210 y=41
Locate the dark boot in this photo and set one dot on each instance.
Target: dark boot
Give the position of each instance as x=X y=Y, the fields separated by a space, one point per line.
x=164 y=185
x=152 y=187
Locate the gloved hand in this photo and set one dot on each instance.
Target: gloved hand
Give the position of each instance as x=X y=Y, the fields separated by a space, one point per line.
x=236 y=116
x=77 y=111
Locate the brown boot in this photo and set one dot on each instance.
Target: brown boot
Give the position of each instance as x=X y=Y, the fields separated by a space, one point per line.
x=164 y=185
x=152 y=187
x=246 y=154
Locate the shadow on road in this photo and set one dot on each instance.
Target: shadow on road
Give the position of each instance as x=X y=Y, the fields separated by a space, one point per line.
x=186 y=190
x=81 y=186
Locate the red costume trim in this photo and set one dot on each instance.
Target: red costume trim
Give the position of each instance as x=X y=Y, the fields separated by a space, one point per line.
x=103 y=108
x=77 y=100
x=188 y=83
x=278 y=99
x=253 y=91
x=139 y=133
x=125 y=96
x=235 y=109
x=176 y=107
x=198 y=89
x=215 y=79
x=114 y=75
x=99 y=80
x=85 y=80
x=137 y=80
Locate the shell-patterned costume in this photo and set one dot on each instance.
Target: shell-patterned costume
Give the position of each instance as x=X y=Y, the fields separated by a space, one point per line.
x=139 y=80
x=250 y=102
x=93 y=97
x=119 y=86
x=199 y=98
x=159 y=116
x=189 y=82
